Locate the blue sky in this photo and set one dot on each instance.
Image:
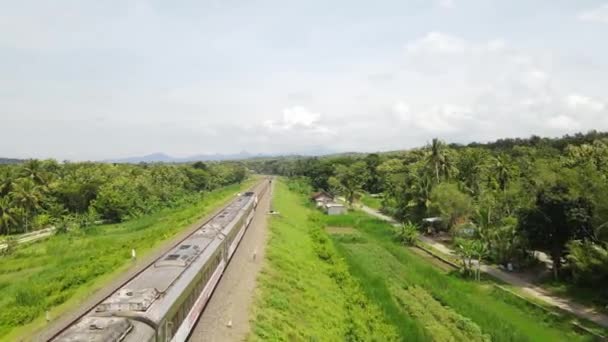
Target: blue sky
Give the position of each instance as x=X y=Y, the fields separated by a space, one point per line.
x=105 y=79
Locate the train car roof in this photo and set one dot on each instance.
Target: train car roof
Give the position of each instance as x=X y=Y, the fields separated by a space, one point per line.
x=151 y=286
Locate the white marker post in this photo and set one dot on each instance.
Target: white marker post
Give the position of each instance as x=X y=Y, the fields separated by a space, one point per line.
x=133 y=254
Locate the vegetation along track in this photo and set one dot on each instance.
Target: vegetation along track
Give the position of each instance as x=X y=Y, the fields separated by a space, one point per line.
x=357 y=283
x=36 y=278
x=55 y=331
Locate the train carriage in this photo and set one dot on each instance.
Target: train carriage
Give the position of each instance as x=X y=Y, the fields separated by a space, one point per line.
x=165 y=300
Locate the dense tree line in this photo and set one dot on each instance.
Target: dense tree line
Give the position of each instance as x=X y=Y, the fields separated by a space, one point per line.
x=36 y=194
x=506 y=198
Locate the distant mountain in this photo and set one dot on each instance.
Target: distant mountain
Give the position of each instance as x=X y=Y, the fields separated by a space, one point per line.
x=165 y=158
x=10 y=161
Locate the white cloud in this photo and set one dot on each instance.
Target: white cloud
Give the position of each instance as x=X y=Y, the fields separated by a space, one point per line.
x=436 y=43
x=501 y=90
x=563 y=122
x=598 y=14
x=298 y=118
x=576 y=101
x=447 y=4
x=434 y=119
x=157 y=78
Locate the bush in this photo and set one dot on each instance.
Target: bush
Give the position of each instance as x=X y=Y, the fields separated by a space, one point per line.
x=11 y=245
x=407 y=233
x=588 y=262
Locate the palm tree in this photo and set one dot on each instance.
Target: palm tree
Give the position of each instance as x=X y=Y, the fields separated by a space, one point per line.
x=421 y=187
x=33 y=170
x=437 y=157
x=6 y=181
x=502 y=170
x=7 y=218
x=439 y=161
x=26 y=194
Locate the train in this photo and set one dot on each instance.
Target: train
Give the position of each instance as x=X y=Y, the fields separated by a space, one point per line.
x=164 y=301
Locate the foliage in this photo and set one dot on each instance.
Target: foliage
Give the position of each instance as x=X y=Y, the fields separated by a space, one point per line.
x=505 y=243
x=471 y=253
x=407 y=233
x=453 y=205
x=65 y=268
x=349 y=180
x=557 y=218
x=493 y=186
x=427 y=304
x=589 y=263
x=35 y=193
x=10 y=244
x=306 y=292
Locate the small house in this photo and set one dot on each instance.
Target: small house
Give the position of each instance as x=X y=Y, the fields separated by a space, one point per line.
x=321 y=198
x=335 y=208
x=432 y=224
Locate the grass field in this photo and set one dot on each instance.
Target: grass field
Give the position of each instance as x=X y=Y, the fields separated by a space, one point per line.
x=59 y=272
x=305 y=292
x=343 y=278
x=372 y=202
x=428 y=304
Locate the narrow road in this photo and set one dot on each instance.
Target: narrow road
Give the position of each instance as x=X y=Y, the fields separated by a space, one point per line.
x=529 y=288
x=226 y=316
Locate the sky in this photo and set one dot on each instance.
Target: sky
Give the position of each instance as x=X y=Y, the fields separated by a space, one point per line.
x=91 y=80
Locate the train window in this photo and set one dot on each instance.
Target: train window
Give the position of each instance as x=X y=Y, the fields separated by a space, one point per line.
x=171 y=257
x=184 y=246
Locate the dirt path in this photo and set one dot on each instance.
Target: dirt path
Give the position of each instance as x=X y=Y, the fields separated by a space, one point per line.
x=30 y=237
x=226 y=317
x=529 y=288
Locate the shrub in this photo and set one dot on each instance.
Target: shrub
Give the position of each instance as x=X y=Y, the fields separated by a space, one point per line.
x=407 y=233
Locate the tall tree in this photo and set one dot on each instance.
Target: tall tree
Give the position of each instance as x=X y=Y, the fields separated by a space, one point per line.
x=350 y=179
x=436 y=158
x=27 y=195
x=557 y=218
x=33 y=169
x=440 y=161
x=502 y=171
x=6 y=181
x=7 y=218
x=374 y=183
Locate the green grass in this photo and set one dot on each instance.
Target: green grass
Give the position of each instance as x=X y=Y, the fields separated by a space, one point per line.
x=428 y=304
x=59 y=272
x=305 y=292
x=595 y=297
x=372 y=202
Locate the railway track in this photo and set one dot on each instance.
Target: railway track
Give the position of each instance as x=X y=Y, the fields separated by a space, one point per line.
x=55 y=331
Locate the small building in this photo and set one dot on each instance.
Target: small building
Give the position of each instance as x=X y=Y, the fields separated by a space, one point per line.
x=321 y=198
x=335 y=208
x=432 y=224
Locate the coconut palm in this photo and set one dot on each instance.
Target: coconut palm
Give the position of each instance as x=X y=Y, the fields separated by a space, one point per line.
x=7 y=218
x=436 y=158
x=439 y=160
x=27 y=195
x=33 y=170
x=6 y=181
x=502 y=171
